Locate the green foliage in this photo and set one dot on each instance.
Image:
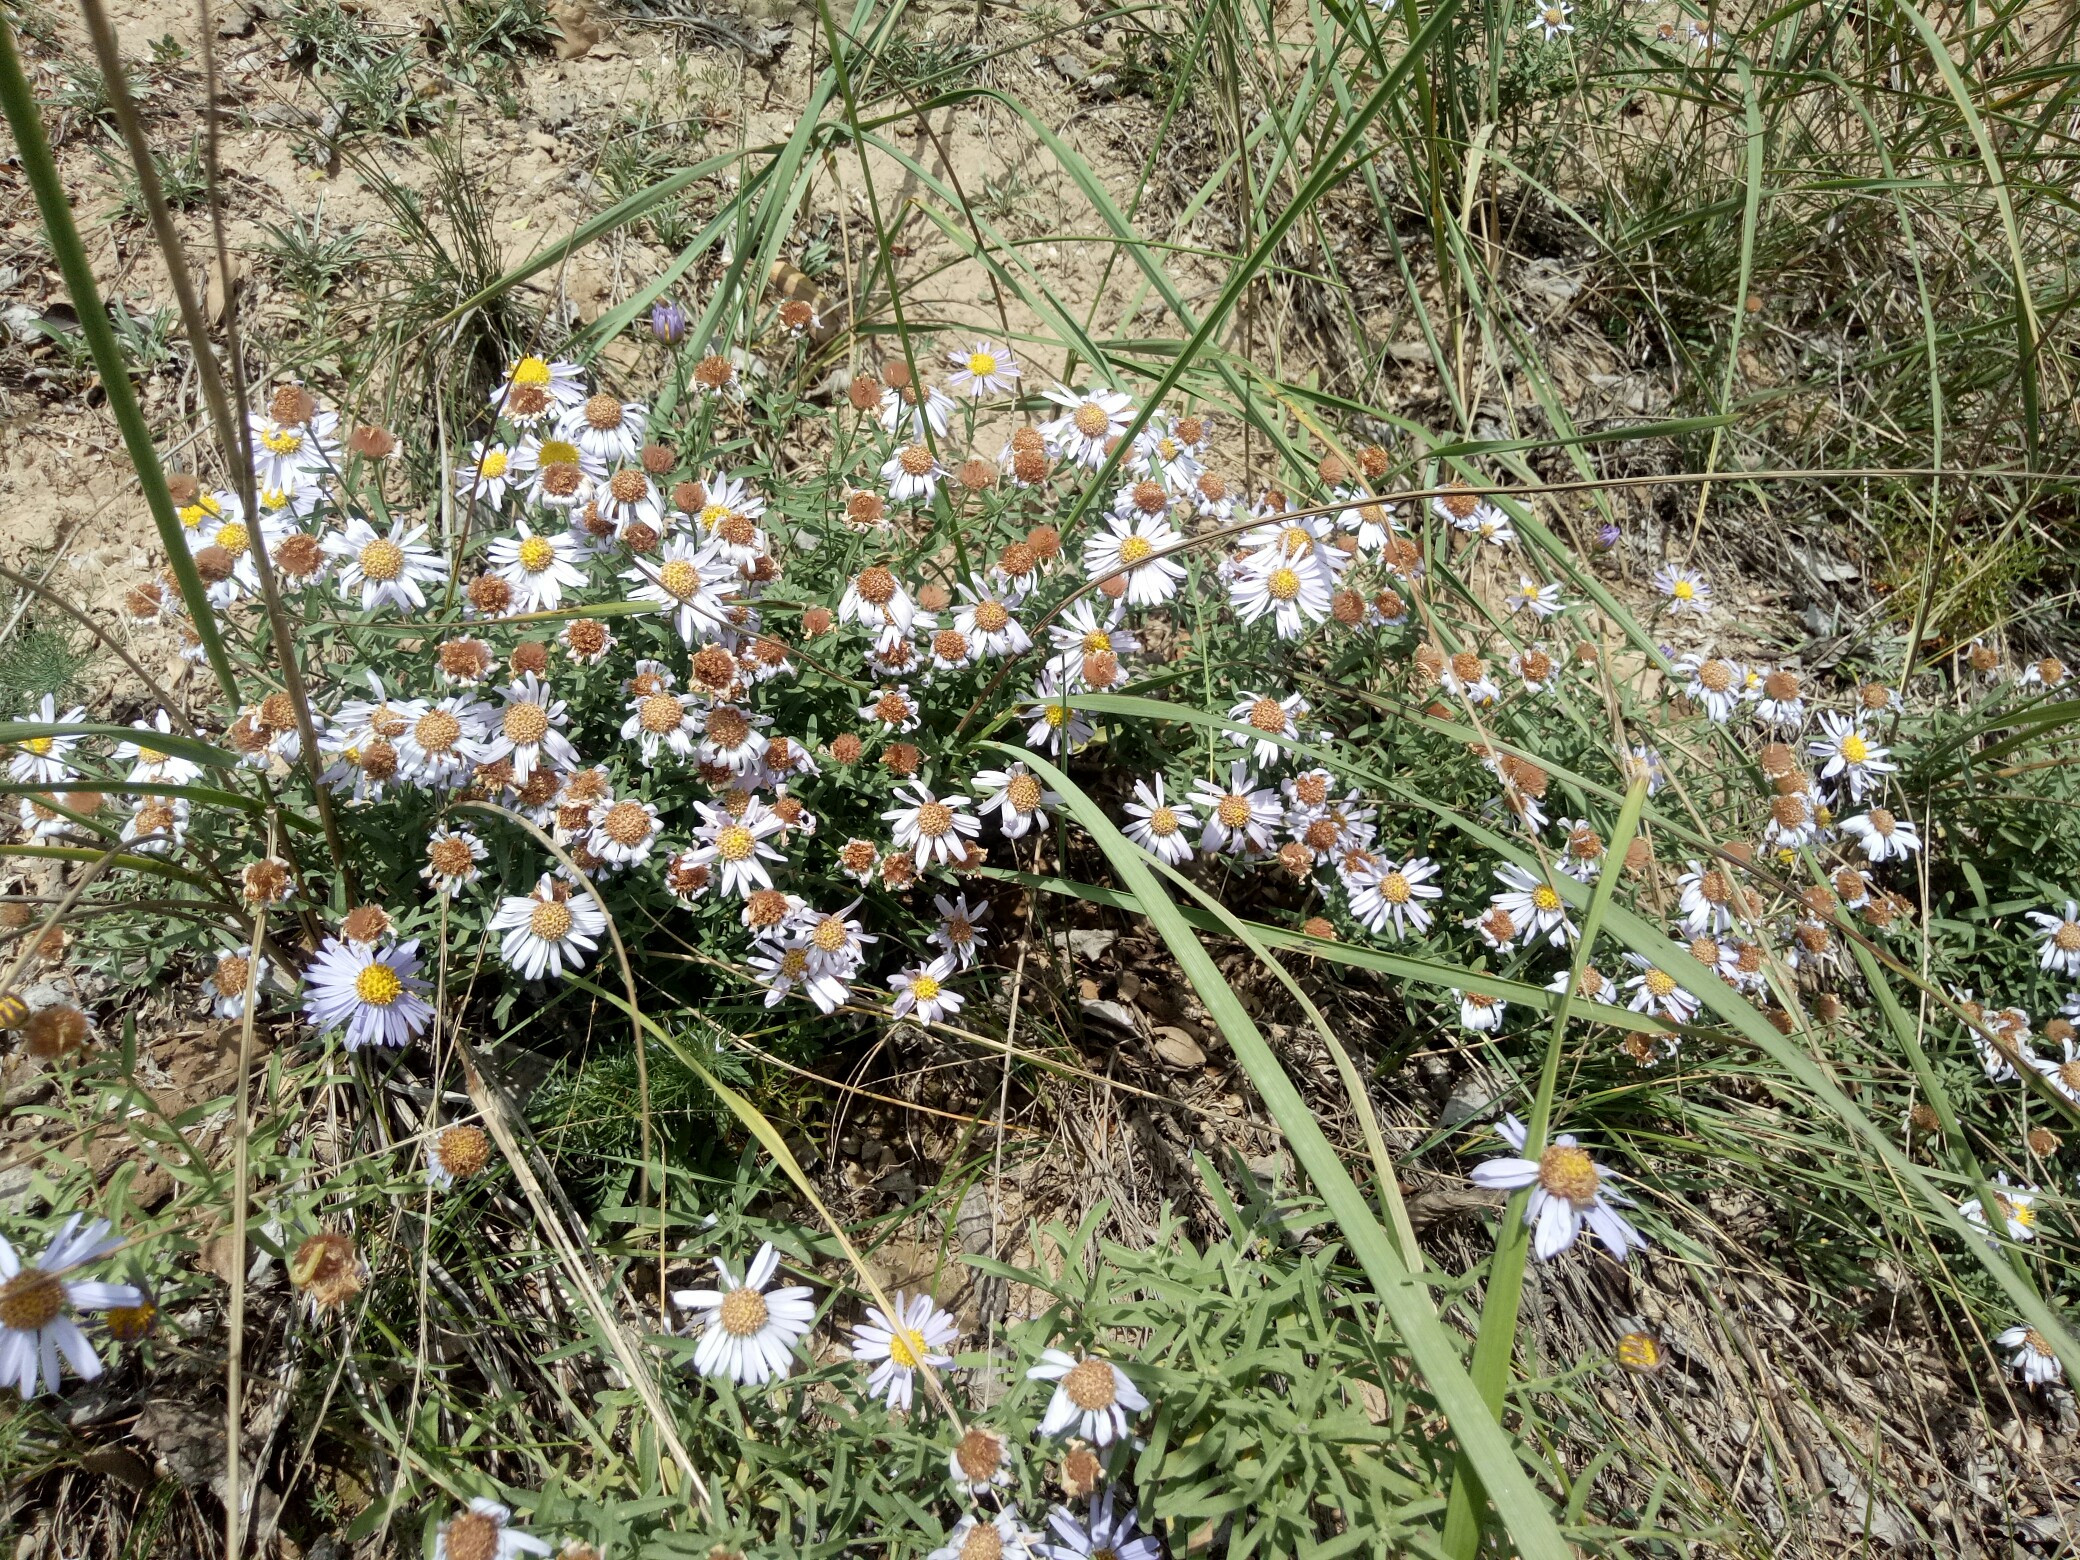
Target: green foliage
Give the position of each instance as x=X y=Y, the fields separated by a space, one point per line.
x=39 y=659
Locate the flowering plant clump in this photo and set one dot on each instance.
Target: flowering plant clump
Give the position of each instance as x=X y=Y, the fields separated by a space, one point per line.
x=734 y=702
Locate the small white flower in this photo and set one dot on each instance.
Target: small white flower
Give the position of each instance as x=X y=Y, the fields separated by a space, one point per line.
x=1240 y=820
x=936 y=412
x=2058 y=946
x=912 y=475
x=1655 y=991
x=2015 y=1204
x=530 y=730
x=919 y=1335
x=374 y=994
x=750 y=1336
x=923 y=990
x=1847 y=750
x=1568 y=1195
x=692 y=583
x=1050 y=722
x=1541 y=601
x=984 y=369
x=538 y=568
x=1715 y=684
x=606 y=429
x=2062 y=1075
x=623 y=832
x=1552 y=21
x=385 y=570
x=484 y=1532
x=1388 y=895
x=986 y=618
x=1295 y=596
x=41 y=760
x=979 y=1462
x=1271 y=724
x=1093 y=1398
x=1136 y=548
x=535 y=387
x=1688 y=592
x=875 y=599
x=1534 y=905
x=1106 y=1536
x=1159 y=826
x=1090 y=420
x=1479 y=1012
x=1882 y=835
x=551 y=930
x=485 y=476
x=978 y=1537
x=452 y=857
x=959 y=931
x=2033 y=1359
x=931 y=827
x=1018 y=798
x=36 y=1330
x=736 y=848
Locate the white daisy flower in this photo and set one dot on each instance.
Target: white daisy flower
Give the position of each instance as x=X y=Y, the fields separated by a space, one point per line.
x=284 y=452
x=779 y=966
x=485 y=476
x=2058 y=945
x=1541 y=601
x=1882 y=835
x=624 y=832
x=1594 y=986
x=1779 y=701
x=37 y=1331
x=375 y=995
x=158 y=825
x=692 y=583
x=662 y=719
x=732 y=739
x=1271 y=722
x=1294 y=596
x=535 y=387
x=1847 y=750
x=385 y=570
x=960 y=928
x=979 y=1462
x=530 y=730
x=1713 y=683
x=2064 y=1075
x=556 y=473
x=922 y=990
x=1655 y=991
x=985 y=369
x=875 y=599
x=2033 y=1360
x=1479 y=1012
x=1050 y=723
x=41 y=760
x=918 y=1336
x=936 y=412
x=1466 y=675
x=979 y=1537
x=986 y=618
x=1240 y=819
x=1688 y=592
x=606 y=429
x=893 y=710
x=1157 y=826
x=554 y=929
x=736 y=848
x=749 y=1335
x=1568 y=1194
x=452 y=857
x=1552 y=20
x=1534 y=905
x=930 y=827
x=1389 y=895
x=1135 y=548
x=538 y=568
x=149 y=764
x=226 y=983
x=1106 y=1536
x=1709 y=895
x=1090 y=421
x=1018 y=798
x=1093 y=1398
x=2015 y=1204
x=912 y=475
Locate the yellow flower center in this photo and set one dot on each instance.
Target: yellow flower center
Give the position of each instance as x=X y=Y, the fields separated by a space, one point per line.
x=550 y=921
x=1023 y=793
x=1568 y=1173
x=1855 y=749
x=1096 y=640
x=735 y=843
x=679 y=579
x=30 y=1300
x=378 y=985
x=906 y=1345
x=536 y=554
x=1545 y=898
x=493 y=465
x=1282 y=585
x=1396 y=889
x=530 y=371
x=382 y=559
x=231 y=536
x=743 y=1313
x=40 y=746
x=1090 y=1386
x=557 y=452
x=982 y=364
x=1136 y=549
x=660 y=714
x=713 y=515
x=1162 y=823
x=1684 y=590
x=283 y=441
x=525 y=723
x=1091 y=420
x=934 y=819
x=925 y=988
x=202 y=509
x=1661 y=984
x=1233 y=811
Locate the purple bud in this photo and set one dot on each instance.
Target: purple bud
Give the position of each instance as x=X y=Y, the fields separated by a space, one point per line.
x=1607 y=536
x=668 y=322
